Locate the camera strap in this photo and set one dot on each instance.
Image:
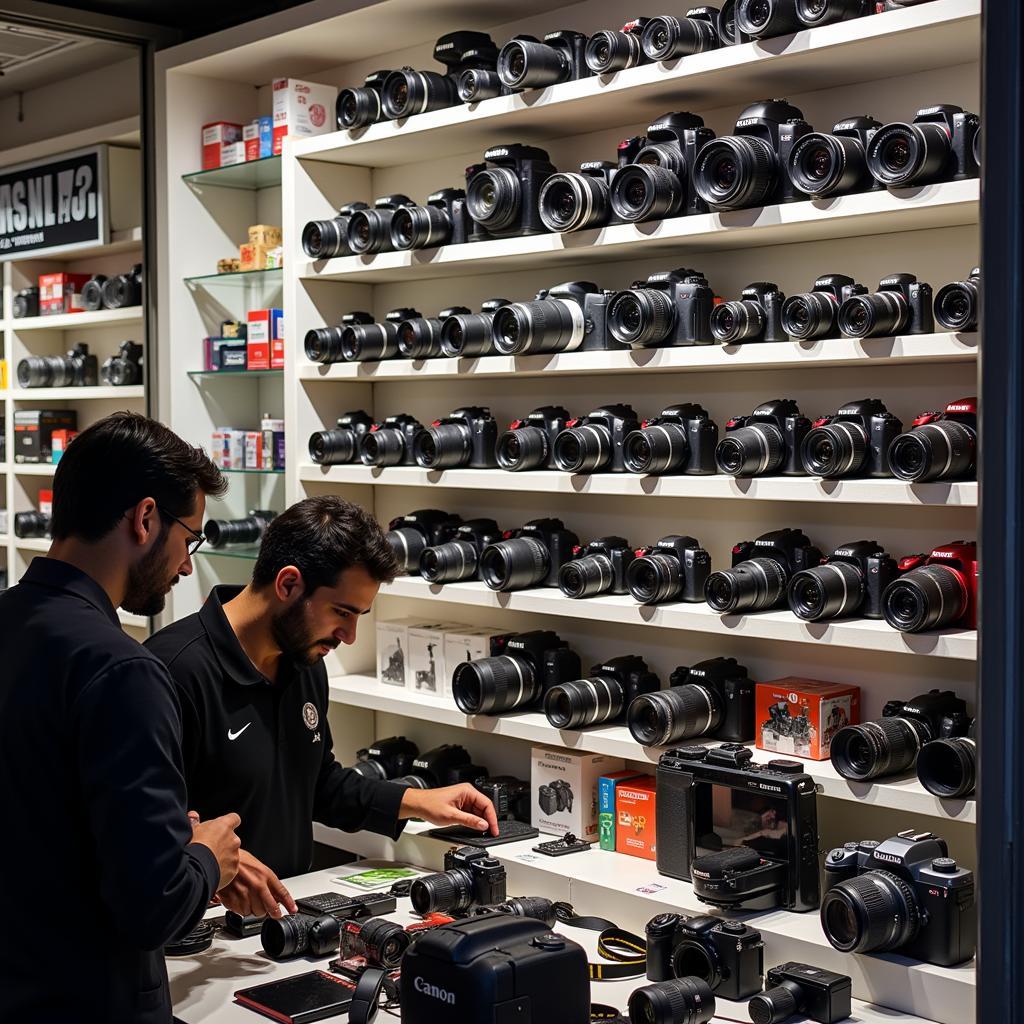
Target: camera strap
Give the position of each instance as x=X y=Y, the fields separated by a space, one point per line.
x=626 y=952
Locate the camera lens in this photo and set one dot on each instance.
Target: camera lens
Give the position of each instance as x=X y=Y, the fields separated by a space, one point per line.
x=493 y=198
x=379 y=940
x=325 y=239
x=449 y=563
x=234 y=531
x=570 y=202
x=287 y=936
x=826 y=12
x=751 y=451
x=524 y=64
x=357 y=108
x=662 y=448
x=751 y=586
x=585 y=449
x=477 y=84
x=584 y=702
x=765 y=18
x=468 y=334
x=369 y=231
x=38 y=371
x=362 y=343
x=735 y=322
x=445 y=891
x=408 y=92
x=641 y=317
x=420 y=227
x=646 y=191
x=545 y=325
x=323 y=344
x=836 y=449
x=382 y=447
x=872 y=913
x=887 y=746
x=826 y=165
x=654 y=578
x=419 y=338
x=735 y=172
x=31 y=524
x=930 y=597
x=612 y=51
x=514 y=564
x=831 y=591
x=587 y=576
x=809 y=315
x=678 y=1001
x=934 y=451
x=948 y=768
x=522 y=449
x=492 y=686
x=446 y=446
x=370 y=769
x=406 y=544
x=875 y=315
x=956 y=306
x=670 y=716
x=900 y=155
x=665 y=38
x=333 y=447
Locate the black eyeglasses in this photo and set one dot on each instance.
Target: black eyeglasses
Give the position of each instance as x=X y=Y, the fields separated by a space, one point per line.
x=198 y=539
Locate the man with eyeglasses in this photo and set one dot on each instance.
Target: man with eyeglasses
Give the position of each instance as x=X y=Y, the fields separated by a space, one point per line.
x=91 y=774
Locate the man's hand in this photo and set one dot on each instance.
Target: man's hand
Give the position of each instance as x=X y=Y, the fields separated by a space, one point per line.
x=218 y=834
x=256 y=890
x=451 y=805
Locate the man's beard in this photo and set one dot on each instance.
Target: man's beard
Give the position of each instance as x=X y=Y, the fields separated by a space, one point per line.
x=294 y=638
x=148 y=584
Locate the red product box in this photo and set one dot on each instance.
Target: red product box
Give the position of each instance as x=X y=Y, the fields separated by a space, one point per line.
x=61 y=293
x=800 y=716
x=215 y=134
x=277 y=343
x=264 y=326
x=46 y=501
x=251 y=138
x=635 y=818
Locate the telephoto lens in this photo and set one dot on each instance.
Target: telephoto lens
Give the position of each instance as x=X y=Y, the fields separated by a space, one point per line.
x=764 y=19
x=753 y=450
x=326 y=239
x=832 y=591
x=515 y=564
x=41 y=372
x=666 y=38
x=887 y=746
x=677 y=1001
x=298 y=934
x=495 y=686
x=948 y=767
x=876 y=315
x=420 y=227
x=323 y=344
x=527 y=63
x=222 y=532
x=341 y=445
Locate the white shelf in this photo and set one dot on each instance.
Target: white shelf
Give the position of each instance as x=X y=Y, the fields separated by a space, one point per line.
x=33 y=543
x=947 y=204
x=861 y=634
x=33 y=468
x=874 y=492
x=132 y=620
x=87 y=319
x=363 y=691
x=930 y=36
x=128 y=392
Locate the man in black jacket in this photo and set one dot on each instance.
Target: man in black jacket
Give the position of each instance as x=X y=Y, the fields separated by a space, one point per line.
x=253 y=690
x=101 y=864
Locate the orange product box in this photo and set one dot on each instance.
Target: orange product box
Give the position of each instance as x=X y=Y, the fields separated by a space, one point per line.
x=61 y=293
x=216 y=134
x=59 y=441
x=800 y=716
x=635 y=818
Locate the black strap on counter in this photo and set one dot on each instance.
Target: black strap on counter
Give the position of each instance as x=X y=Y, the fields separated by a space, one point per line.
x=626 y=951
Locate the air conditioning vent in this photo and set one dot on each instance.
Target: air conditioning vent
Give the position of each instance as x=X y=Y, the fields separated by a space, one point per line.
x=21 y=45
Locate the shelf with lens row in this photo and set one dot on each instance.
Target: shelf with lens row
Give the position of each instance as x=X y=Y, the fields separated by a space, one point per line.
x=128 y=392
x=128 y=316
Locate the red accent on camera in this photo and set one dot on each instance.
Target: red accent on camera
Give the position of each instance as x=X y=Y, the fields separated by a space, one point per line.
x=375 y=428
x=957 y=408
x=572 y=422
x=515 y=424
x=436 y=423
x=926 y=417
x=821 y=421
x=577 y=548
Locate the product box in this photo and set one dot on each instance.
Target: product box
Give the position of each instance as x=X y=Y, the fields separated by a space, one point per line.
x=251 y=138
x=275 y=258
x=264 y=325
x=264 y=234
x=564 y=790
x=59 y=441
x=266 y=123
x=606 y=786
x=4 y=522
x=253 y=257
x=45 y=502
x=800 y=716
x=469 y=644
x=272 y=441
x=427 y=672
x=61 y=293
x=635 y=818
x=33 y=432
x=232 y=153
x=301 y=109
x=227 y=448
x=3 y=374
x=229 y=266
x=393 y=650
x=229 y=354
x=215 y=135
x=254 y=450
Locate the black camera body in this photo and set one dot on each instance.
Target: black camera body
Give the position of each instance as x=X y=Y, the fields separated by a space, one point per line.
x=853 y=441
x=666 y=38
x=458 y=559
x=902 y=305
x=465 y=439
x=603 y=696
x=724 y=684
x=359 y=107
x=819 y=995
x=76 y=368
x=467 y=335
x=957 y=304
x=676 y=568
x=386 y=759
x=755 y=316
x=728 y=955
x=340 y=445
x=526 y=62
x=680 y=439
x=31 y=524
x=593 y=443
x=122 y=290
x=568 y=317
x=503 y=193
x=769 y=440
x=765 y=855
x=411 y=534
x=125 y=368
x=471 y=878
x=851 y=581
x=555 y=798
x=529 y=442
x=444 y=765
x=597 y=568
x=670 y=308
x=391 y=443
x=815 y=314
x=934 y=919
x=25 y=303
x=369 y=231
x=823 y=165
x=510 y=796
x=938 y=145
x=528 y=557
x=442 y=220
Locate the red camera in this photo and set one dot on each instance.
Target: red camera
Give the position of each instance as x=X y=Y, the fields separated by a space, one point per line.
x=939 y=593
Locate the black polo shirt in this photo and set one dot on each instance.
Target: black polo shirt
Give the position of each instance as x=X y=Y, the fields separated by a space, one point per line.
x=263 y=748
x=96 y=872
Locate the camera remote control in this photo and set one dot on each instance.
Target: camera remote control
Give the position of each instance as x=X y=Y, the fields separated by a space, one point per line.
x=561 y=847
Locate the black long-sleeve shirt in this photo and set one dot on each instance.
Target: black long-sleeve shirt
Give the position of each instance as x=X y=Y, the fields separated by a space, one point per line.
x=262 y=748
x=96 y=872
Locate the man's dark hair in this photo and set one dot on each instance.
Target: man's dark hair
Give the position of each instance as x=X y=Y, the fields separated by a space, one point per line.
x=112 y=465
x=322 y=537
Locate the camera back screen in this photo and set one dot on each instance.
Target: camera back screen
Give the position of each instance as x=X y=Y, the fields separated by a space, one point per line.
x=739 y=817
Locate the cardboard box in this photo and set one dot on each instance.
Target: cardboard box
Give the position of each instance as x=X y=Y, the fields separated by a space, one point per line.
x=606 y=786
x=564 y=790
x=800 y=716
x=229 y=266
x=469 y=644
x=393 y=650
x=215 y=135
x=301 y=109
x=232 y=153
x=45 y=502
x=251 y=138
x=263 y=325
x=635 y=818
x=252 y=257
x=227 y=448
x=254 y=450
x=272 y=434
x=264 y=234
x=59 y=441
x=266 y=123
x=427 y=672
x=33 y=432
x=61 y=293
x=275 y=258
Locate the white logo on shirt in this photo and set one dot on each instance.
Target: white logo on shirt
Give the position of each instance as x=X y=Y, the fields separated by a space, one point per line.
x=234 y=735
x=310 y=716
x=316 y=737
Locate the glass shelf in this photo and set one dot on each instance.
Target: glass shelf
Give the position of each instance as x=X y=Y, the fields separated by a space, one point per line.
x=249 y=551
x=251 y=175
x=238 y=279
x=202 y=375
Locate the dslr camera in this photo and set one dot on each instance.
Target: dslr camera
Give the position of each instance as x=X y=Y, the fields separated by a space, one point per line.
x=555 y=798
x=528 y=443
x=603 y=696
x=851 y=581
x=937 y=592
x=522 y=668
x=669 y=308
x=458 y=559
x=31 y=524
x=854 y=441
x=391 y=443
x=465 y=439
x=593 y=443
x=442 y=220
x=756 y=851
x=938 y=145
x=327 y=239
x=323 y=344
x=527 y=63
x=360 y=107
x=568 y=317
x=250 y=530
x=948 y=766
x=713 y=698
x=340 y=446
x=471 y=877
x=369 y=229
x=446 y=765
x=956 y=304
x=667 y=38
x=528 y=557
x=123 y=289
x=511 y=799
x=904 y=894
x=755 y=316
x=317 y=929
x=76 y=369
x=503 y=193
x=466 y=335
x=382 y=943
x=676 y=568
x=767 y=441
x=125 y=368
x=823 y=165
x=815 y=314
x=609 y=51
x=939 y=445
x=761 y=570
x=902 y=305
x=728 y=955
x=25 y=303
x=410 y=535
x=597 y=568
x=791 y=988
x=681 y=439
x=386 y=759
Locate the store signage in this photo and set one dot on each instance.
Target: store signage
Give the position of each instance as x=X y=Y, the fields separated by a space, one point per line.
x=57 y=204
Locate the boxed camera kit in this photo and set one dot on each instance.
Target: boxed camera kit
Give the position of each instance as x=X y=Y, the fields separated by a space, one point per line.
x=428 y=672
x=606 y=787
x=216 y=135
x=265 y=334
x=468 y=643
x=800 y=716
x=635 y=803
x=61 y=293
x=34 y=429
x=564 y=787
x=228 y=354
x=393 y=665
x=301 y=109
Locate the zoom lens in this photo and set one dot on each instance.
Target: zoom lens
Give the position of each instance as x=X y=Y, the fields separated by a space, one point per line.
x=658 y=449
x=673 y=715
x=571 y=202
x=449 y=563
x=493 y=198
x=492 y=686
x=735 y=172
x=935 y=451
x=446 y=446
x=407 y=545
x=831 y=591
x=827 y=165
x=887 y=746
x=419 y=338
x=901 y=155
x=666 y=38
x=609 y=51
x=641 y=317
x=286 y=937
x=736 y=322
x=333 y=447
x=443 y=892
x=948 y=768
x=810 y=315
x=323 y=345
x=382 y=447
x=836 y=449
x=655 y=578
x=362 y=343
x=751 y=586
x=522 y=449
x=420 y=227
x=325 y=239
x=584 y=702
x=476 y=84
x=378 y=940
x=646 y=191
x=515 y=564
x=872 y=913
x=874 y=316
x=409 y=92
x=764 y=19
x=586 y=577
x=545 y=325
x=930 y=597
x=956 y=306
x=468 y=334
x=677 y=1001
x=585 y=449
x=826 y=12
x=357 y=108
x=41 y=371
x=524 y=64
x=370 y=769
x=234 y=531
x=369 y=231
x=751 y=451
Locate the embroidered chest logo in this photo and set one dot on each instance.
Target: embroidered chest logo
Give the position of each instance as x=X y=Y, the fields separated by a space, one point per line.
x=310 y=716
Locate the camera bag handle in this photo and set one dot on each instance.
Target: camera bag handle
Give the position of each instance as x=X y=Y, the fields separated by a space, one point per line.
x=626 y=951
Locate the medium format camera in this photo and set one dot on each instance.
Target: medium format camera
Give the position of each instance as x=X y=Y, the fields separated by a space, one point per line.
x=598 y=568
x=851 y=581
x=457 y=559
x=250 y=530
x=357 y=108
x=410 y=535
x=465 y=439
x=755 y=316
x=527 y=63
x=904 y=894
x=31 y=524
x=341 y=445
x=326 y=239
x=853 y=442
x=902 y=305
x=471 y=334
x=529 y=557
x=669 y=308
x=815 y=314
x=812 y=992
x=754 y=846
x=938 y=145
x=390 y=443
x=761 y=570
x=25 y=303
x=957 y=304
x=382 y=943
x=767 y=441
x=123 y=289
x=471 y=877
x=667 y=38
x=442 y=220
x=603 y=696
x=386 y=759
x=728 y=955
x=937 y=592
x=555 y=798
x=890 y=745
x=947 y=767
x=713 y=698
x=76 y=369
x=125 y=368
x=511 y=799
x=751 y=167
x=681 y=439
x=568 y=317
x=529 y=442
x=676 y=568
x=502 y=194
x=823 y=164
x=609 y=51
x=593 y=443
x=660 y=183
x=939 y=445
x=523 y=668
x=445 y=765
x=369 y=230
